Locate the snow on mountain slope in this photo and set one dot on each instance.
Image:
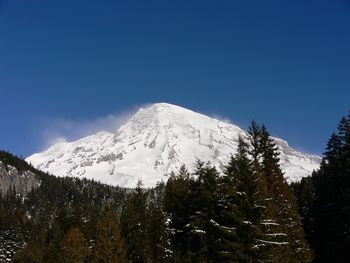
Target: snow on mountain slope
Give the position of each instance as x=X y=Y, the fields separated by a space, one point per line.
x=154 y=142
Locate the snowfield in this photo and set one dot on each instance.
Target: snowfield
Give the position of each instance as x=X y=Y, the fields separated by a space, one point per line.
x=154 y=142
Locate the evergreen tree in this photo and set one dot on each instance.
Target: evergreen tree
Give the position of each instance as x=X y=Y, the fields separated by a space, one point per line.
x=109 y=245
x=74 y=248
x=327 y=214
x=254 y=130
x=53 y=240
x=240 y=211
x=204 y=210
x=333 y=153
x=284 y=234
x=304 y=191
x=177 y=204
x=35 y=247
x=134 y=225
x=243 y=206
x=157 y=230
x=32 y=253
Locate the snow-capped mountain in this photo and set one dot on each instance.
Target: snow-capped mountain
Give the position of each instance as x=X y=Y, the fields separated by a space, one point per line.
x=155 y=141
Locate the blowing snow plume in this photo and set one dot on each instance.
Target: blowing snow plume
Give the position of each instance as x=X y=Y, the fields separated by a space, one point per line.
x=155 y=141
x=56 y=130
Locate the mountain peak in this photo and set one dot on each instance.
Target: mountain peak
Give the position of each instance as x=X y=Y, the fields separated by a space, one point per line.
x=156 y=140
x=166 y=108
x=173 y=115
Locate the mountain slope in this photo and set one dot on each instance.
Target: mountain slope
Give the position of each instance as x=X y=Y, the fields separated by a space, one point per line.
x=17 y=179
x=34 y=205
x=154 y=142
x=16 y=175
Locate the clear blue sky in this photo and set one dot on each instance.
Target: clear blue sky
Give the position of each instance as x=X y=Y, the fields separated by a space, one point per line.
x=284 y=63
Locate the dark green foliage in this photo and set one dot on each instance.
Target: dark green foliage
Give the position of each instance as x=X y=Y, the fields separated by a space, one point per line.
x=9 y=159
x=134 y=224
x=177 y=203
x=202 y=232
x=158 y=232
x=241 y=209
x=109 y=245
x=74 y=247
x=45 y=214
x=324 y=199
x=145 y=225
x=283 y=233
x=247 y=215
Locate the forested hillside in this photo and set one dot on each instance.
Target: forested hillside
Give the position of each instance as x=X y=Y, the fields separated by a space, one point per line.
x=39 y=220
x=248 y=213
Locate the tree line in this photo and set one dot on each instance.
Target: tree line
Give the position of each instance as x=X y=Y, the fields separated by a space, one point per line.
x=324 y=199
x=247 y=213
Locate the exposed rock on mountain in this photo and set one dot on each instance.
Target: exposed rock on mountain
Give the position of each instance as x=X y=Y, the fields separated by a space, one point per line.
x=12 y=179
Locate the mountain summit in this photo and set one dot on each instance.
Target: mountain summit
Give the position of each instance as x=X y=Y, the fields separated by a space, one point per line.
x=155 y=141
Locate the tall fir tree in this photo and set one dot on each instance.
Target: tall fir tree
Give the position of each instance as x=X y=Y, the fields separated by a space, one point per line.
x=241 y=209
x=177 y=203
x=134 y=225
x=109 y=245
x=284 y=234
x=74 y=247
x=158 y=233
x=53 y=239
x=304 y=192
x=327 y=214
x=204 y=211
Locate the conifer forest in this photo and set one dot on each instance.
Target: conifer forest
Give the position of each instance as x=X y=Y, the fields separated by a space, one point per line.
x=248 y=213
